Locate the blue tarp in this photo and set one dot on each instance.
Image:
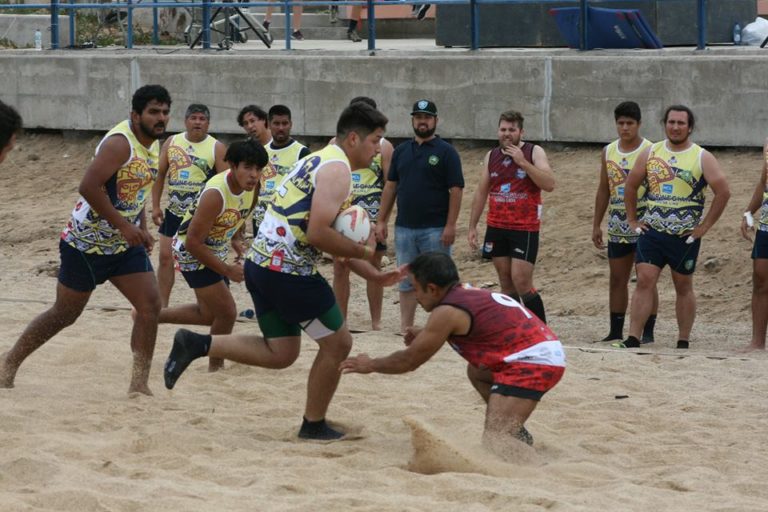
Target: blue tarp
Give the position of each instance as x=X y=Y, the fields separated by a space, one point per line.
x=608 y=28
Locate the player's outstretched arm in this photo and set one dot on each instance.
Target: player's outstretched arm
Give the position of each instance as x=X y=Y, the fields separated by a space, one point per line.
x=444 y=321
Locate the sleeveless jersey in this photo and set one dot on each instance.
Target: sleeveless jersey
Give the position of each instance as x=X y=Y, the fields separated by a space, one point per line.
x=501 y=331
x=367 y=185
x=128 y=190
x=233 y=213
x=763 y=223
x=617 y=166
x=676 y=185
x=190 y=166
x=281 y=161
x=281 y=243
x=514 y=200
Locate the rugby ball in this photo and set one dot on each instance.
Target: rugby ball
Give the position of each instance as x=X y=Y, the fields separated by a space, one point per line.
x=354 y=224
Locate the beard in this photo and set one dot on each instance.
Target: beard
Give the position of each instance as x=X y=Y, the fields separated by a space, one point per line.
x=424 y=133
x=149 y=131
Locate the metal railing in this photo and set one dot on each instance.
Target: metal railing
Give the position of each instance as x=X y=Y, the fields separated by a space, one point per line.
x=55 y=7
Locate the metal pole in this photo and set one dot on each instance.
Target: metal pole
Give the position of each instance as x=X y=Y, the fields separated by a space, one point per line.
x=371 y=25
x=474 y=24
x=155 y=26
x=583 y=30
x=72 y=14
x=129 y=23
x=702 y=14
x=288 y=11
x=206 y=24
x=54 y=24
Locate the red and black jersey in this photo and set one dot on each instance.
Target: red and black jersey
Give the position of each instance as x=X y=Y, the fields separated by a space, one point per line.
x=501 y=331
x=514 y=200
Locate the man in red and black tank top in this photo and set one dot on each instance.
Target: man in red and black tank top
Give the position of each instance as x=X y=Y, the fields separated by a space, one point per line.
x=511 y=182
x=514 y=358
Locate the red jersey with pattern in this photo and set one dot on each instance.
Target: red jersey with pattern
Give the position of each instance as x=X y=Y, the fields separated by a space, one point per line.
x=499 y=328
x=514 y=200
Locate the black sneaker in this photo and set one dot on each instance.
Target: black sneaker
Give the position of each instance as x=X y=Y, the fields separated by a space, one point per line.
x=266 y=25
x=297 y=35
x=353 y=36
x=422 y=11
x=319 y=431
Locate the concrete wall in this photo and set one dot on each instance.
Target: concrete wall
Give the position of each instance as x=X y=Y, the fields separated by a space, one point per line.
x=21 y=29
x=564 y=95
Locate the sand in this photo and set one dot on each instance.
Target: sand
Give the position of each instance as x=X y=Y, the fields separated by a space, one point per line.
x=689 y=434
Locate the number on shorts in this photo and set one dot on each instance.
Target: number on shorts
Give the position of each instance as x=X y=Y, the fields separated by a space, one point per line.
x=508 y=301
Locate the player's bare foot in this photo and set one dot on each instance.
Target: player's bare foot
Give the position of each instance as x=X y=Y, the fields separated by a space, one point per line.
x=215 y=364
x=142 y=389
x=752 y=347
x=375 y=326
x=7 y=374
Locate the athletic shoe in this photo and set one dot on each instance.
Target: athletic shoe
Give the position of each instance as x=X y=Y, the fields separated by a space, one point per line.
x=266 y=25
x=187 y=346
x=353 y=36
x=319 y=431
x=630 y=342
x=422 y=11
x=297 y=35
x=333 y=14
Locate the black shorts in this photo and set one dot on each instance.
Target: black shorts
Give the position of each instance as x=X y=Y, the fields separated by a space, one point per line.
x=170 y=224
x=662 y=249
x=203 y=277
x=617 y=250
x=294 y=298
x=760 y=249
x=380 y=247
x=507 y=243
x=83 y=272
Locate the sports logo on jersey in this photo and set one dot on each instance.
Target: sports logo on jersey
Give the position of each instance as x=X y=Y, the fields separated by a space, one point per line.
x=667 y=188
x=184 y=175
x=280 y=231
x=356 y=178
x=620 y=191
x=520 y=174
x=269 y=185
x=673 y=160
x=190 y=149
x=433 y=160
x=506 y=162
x=505 y=188
x=624 y=163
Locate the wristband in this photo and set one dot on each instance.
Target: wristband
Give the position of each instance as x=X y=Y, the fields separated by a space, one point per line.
x=750 y=219
x=366 y=252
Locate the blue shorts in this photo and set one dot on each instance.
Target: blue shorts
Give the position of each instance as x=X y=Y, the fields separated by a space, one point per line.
x=203 y=277
x=664 y=249
x=170 y=224
x=83 y=272
x=617 y=250
x=760 y=249
x=410 y=243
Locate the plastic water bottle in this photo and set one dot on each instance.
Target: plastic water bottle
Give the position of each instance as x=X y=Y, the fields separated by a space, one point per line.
x=38 y=40
x=737 y=34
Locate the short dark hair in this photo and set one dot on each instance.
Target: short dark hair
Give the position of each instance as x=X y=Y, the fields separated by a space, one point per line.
x=247 y=151
x=680 y=108
x=512 y=116
x=434 y=268
x=197 y=108
x=147 y=93
x=10 y=123
x=628 y=109
x=360 y=118
x=279 y=110
x=253 y=109
x=363 y=99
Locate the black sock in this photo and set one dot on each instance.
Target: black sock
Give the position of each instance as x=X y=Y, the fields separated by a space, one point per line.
x=617 y=327
x=318 y=430
x=532 y=301
x=187 y=346
x=648 y=328
x=682 y=344
x=352 y=25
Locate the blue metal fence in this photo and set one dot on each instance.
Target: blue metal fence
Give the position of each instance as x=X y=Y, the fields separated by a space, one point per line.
x=206 y=5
